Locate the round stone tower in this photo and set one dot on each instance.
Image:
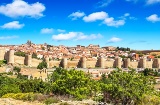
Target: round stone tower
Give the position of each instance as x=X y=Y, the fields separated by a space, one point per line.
x=143 y=63
x=156 y=63
x=11 y=57
x=65 y=63
x=118 y=62
x=2 y=54
x=28 y=59
x=101 y=62
x=47 y=61
x=127 y=62
x=83 y=62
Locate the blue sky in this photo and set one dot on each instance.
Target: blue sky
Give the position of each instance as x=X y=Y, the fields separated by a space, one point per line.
x=123 y=23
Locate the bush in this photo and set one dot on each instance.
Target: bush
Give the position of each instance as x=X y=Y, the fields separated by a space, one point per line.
x=17 y=69
x=10 y=73
x=20 y=96
x=2 y=62
x=98 y=98
x=49 y=101
x=64 y=103
x=9 y=88
x=150 y=100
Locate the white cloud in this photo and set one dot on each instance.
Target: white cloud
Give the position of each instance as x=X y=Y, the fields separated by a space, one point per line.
x=132 y=18
x=153 y=18
x=66 y=36
x=76 y=15
x=114 y=39
x=114 y=23
x=61 y=31
x=75 y=36
x=152 y=1
x=12 y=25
x=126 y=14
x=133 y=1
x=95 y=16
x=103 y=16
x=8 y=37
x=20 y=8
x=104 y=3
x=82 y=36
x=47 y=30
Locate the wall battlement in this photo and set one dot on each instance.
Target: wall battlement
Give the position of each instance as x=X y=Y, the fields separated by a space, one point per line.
x=81 y=63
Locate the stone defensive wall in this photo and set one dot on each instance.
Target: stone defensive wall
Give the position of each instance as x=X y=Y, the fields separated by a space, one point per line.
x=83 y=62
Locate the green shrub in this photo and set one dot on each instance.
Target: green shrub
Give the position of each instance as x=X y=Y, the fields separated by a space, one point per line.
x=10 y=73
x=98 y=98
x=49 y=101
x=9 y=88
x=64 y=103
x=149 y=100
x=20 y=96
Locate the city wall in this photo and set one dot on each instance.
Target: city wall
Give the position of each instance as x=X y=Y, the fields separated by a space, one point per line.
x=81 y=63
x=19 y=60
x=134 y=64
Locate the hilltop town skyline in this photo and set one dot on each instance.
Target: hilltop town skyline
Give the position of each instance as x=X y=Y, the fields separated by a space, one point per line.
x=46 y=44
x=123 y=23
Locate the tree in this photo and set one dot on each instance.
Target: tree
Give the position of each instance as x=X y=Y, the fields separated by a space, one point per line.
x=19 y=53
x=124 y=88
x=42 y=65
x=8 y=85
x=72 y=83
x=150 y=72
x=34 y=55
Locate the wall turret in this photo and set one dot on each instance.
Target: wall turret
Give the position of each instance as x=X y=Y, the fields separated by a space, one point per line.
x=127 y=62
x=156 y=63
x=101 y=62
x=11 y=57
x=118 y=62
x=2 y=54
x=83 y=62
x=143 y=63
x=28 y=60
x=65 y=63
x=47 y=61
